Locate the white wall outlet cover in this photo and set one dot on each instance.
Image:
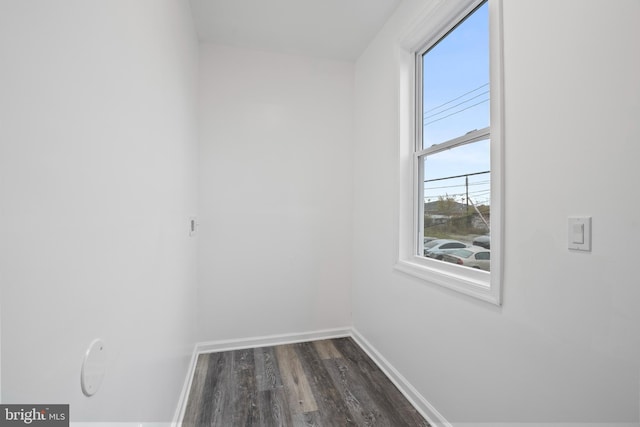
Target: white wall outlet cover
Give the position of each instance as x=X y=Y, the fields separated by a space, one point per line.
x=93 y=367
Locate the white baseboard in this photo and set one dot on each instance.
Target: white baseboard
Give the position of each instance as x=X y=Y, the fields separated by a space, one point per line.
x=415 y=398
x=184 y=394
x=255 y=342
x=242 y=343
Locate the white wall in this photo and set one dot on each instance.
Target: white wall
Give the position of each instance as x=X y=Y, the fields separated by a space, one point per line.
x=98 y=153
x=275 y=193
x=565 y=345
x=97 y=178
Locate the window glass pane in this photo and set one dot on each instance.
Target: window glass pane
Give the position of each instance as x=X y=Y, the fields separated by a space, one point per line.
x=431 y=243
x=456 y=81
x=462 y=253
x=457 y=197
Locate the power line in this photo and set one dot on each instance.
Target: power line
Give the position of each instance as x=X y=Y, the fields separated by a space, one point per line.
x=457 y=105
x=476 y=195
x=456 y=176
x=457 y=112
x=459 y=193
x=458 y=185
x=455 y=99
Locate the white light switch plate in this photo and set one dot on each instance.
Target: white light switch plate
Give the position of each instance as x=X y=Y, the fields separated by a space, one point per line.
x=579 y=233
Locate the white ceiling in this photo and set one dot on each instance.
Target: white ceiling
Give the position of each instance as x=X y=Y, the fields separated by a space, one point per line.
x=339 y=29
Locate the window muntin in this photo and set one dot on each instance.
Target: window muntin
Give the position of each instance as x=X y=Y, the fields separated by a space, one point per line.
x=453 y=148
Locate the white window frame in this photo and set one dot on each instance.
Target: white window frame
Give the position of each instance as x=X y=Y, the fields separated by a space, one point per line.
x=433 y=24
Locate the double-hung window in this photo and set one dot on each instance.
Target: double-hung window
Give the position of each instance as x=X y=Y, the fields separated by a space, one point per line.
x=450 y=218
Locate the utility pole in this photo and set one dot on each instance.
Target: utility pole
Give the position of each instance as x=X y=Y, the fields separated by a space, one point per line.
x=481 y=217
x=466 y=184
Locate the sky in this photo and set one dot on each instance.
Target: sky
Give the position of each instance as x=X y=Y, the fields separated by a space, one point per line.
x=455 y=102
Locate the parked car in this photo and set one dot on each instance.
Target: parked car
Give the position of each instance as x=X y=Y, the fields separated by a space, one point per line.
x=473 y=256
x=427 y=239
x=437 y=248
x=482 y=241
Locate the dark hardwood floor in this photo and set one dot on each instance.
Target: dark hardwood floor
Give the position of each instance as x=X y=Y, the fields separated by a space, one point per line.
x=321 y=383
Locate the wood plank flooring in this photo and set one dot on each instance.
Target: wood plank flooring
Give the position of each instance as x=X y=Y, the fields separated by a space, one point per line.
x=321 y=383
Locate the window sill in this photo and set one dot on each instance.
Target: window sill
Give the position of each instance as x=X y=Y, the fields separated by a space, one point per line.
x=475 y=283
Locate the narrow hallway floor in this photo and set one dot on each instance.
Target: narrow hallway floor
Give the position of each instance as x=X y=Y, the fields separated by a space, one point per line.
x=320 y=383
